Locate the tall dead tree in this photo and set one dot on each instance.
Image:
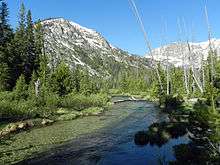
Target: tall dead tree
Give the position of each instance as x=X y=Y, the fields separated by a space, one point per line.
x=164 y=52
x=184 y=61
x=148 y=44
x=194 y=74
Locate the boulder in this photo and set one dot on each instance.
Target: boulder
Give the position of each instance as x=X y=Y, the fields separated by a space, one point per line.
x=22 y=125
x=12 y=127
x=47 y=122
x=30 y=123
x=4 y=133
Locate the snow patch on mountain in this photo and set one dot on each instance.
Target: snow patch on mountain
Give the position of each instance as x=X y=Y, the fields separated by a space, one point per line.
x=77 y=45
x=178 y=54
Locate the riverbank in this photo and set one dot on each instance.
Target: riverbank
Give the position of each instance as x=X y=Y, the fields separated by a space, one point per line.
x=16 y=119
x=60 y=114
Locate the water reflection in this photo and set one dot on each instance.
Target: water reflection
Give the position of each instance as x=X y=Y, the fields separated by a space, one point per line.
x=160 y=133
x=200 y=150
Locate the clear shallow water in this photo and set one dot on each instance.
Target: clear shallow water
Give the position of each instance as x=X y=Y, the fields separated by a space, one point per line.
x=104 y=140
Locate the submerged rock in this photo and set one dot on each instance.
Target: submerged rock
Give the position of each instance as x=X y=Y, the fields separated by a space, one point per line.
x=141 y=138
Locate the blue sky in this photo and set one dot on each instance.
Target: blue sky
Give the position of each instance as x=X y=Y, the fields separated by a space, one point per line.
x=115 y=21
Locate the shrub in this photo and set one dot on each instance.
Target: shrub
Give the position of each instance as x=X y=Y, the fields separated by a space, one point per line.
x=16 y=109
x=80 y=102
x=7 y=96
x=52 y=100
x=21 y=88
x=172 y=102
x=201 y=116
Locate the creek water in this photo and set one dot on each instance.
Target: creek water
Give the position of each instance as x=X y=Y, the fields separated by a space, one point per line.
x=107 y=139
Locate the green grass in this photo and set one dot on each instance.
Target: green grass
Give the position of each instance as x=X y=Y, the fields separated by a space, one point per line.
x=47 y=106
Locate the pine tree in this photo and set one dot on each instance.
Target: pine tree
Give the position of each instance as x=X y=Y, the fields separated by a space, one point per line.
x=6 y=32
x=30 y=56
x=6 y=35
x=77 y=78
x=21 y=88
x=44 y=69
x=61 y=80
x=18 y=49
x=39 y=44
x=4 y=76
x=31 y=86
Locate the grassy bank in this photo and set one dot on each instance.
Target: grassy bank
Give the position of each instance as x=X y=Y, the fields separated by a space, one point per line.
x=24 y=114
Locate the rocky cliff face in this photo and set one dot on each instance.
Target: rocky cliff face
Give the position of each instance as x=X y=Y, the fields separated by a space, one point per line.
x=77 y=45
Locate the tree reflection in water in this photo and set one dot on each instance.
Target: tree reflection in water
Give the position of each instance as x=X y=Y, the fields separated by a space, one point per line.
x=202 y=148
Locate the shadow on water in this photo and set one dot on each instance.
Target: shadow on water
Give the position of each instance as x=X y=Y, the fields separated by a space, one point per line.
x=198 y=151
x=160 y=133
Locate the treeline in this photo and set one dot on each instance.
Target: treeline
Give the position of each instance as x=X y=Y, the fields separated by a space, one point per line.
x=29 y=87
x=192 y=82
x=20 y=50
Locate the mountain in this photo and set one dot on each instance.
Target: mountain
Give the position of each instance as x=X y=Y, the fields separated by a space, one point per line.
x=176 y=52
x=77 y=45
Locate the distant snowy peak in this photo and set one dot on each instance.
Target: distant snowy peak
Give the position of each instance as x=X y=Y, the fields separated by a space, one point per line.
x=178 y=53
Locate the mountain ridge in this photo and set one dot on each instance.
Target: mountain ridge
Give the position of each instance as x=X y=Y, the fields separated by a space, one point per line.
x=178 y=53
x=77 y=45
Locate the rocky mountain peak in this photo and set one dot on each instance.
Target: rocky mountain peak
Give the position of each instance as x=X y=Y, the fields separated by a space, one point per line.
x=77 y=45
x=178 y=53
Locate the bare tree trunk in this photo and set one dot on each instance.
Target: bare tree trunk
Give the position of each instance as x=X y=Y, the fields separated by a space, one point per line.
x=164 y=42
x=195 y=77
x=185 y=68
x=155 y=66
x=37 y=88
x=203 y=72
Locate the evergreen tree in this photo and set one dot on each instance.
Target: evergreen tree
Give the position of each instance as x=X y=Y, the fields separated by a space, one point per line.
x=21 y=88
x=6 y=35
x=39 y=44
x=44 y=69
x=31 y=86
x=6 y=32
x=77 y=78
x=18 y=49
x=61 y=80
x=4 y=76
x=30 y=57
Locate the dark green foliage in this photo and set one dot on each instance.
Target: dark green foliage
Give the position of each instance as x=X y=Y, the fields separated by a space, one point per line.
x=160 y=133
x=6 y=33
x=171 y=103
x=21 y=89
x=62 y=80
x=30 y=56
x=39 y=45
x=4 y=76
